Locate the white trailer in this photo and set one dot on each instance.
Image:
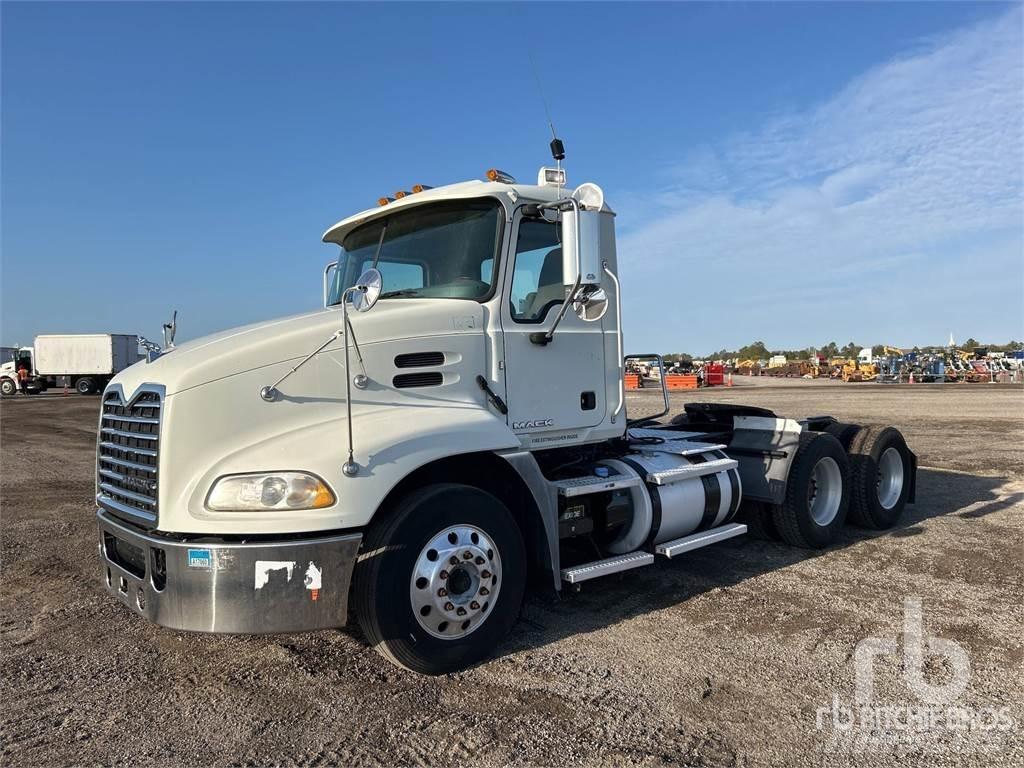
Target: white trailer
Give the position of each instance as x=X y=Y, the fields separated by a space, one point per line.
x=456 y=435
x=83 y=361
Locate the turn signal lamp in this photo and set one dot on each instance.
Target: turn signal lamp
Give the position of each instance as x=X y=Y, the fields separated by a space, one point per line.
x=495 y=175
x=385 y=200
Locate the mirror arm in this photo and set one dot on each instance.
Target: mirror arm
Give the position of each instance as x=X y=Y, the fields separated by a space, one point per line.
x=270 y=392
x=544 y=338
x=350 y=468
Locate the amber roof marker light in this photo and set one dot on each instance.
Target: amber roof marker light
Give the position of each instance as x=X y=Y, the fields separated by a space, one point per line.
x=495 y=175
x=385 y=200
x=420 y=187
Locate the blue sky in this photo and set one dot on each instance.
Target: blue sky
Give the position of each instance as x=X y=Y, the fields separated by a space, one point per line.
x=796 y=173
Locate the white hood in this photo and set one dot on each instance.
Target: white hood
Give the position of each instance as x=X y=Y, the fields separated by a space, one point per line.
x=249 y=347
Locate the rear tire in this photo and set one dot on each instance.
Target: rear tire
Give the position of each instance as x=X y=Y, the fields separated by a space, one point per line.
x=396 y=591
x=844 y=433
x=84 y=386
x=881 y=468
x=817 y=493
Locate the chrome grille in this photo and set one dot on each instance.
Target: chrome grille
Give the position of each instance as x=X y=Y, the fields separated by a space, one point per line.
x=127 y=457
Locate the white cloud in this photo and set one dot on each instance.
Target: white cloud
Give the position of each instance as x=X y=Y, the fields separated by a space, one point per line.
x=891 y=212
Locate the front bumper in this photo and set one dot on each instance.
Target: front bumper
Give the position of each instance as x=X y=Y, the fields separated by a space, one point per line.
x=245 y=588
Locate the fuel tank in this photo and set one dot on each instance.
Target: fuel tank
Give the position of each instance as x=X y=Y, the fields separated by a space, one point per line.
x=680 y=495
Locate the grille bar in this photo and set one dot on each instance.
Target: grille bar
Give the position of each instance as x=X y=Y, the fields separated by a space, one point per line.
x=125 y=433
x=127 y=462
x=115 y=447
x=136 y=497
x=130 y=464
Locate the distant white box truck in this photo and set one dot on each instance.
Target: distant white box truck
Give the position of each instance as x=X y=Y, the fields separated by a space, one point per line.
x=84 y=361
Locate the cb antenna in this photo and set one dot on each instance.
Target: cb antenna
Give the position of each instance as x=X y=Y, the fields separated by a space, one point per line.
x=557 y=147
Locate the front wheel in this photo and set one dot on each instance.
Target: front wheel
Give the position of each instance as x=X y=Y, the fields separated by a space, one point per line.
x=8 y=387
x=440 y=581
x=84 y=386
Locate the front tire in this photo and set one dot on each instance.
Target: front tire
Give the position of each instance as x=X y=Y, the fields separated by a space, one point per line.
x=8 y=387
x=440 y=581
x=817 y=493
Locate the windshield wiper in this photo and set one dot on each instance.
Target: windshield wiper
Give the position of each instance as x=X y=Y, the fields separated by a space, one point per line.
x=403 y=292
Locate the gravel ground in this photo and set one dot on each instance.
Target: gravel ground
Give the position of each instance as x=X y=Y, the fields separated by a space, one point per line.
x=723 y=657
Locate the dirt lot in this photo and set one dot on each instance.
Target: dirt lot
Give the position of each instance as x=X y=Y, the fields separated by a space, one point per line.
x=722 y=657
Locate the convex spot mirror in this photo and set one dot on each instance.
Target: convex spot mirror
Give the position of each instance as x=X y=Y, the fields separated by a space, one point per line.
x=581 y=237
x=366 y=291
x=591 y=305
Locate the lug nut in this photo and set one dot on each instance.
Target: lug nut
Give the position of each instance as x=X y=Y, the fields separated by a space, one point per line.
x=485 y=575
x=475 y=605
x=484 y=591
x=453 y=560
x=443 y=575
x=479 y=561
x=442 y=592
x=449 y=606
x=467 y=555
x=460 y=612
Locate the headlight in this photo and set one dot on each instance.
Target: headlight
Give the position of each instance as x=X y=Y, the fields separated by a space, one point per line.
x=269 y=491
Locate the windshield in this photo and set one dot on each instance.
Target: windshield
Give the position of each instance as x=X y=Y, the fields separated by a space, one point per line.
x=441 y=250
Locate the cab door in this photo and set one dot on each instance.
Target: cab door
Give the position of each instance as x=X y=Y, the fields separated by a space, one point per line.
x=556 y=391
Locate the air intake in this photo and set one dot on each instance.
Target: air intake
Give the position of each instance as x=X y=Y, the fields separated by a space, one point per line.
x=419 y=360
x=425 y=379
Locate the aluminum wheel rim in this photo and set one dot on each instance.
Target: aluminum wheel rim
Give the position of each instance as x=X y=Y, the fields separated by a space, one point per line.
x=890 y=478
x=825 y=492
x=455 y=582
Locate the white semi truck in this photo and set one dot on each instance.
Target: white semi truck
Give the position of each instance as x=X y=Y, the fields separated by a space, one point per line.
x=456 y=436
x=85 y=362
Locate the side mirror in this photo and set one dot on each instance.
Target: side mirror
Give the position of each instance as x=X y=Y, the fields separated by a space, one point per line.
x=581 y=237
x=328 y=274
x=366 y=291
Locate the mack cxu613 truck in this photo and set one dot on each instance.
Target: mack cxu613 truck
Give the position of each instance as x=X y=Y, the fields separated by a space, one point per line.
x=453 y=434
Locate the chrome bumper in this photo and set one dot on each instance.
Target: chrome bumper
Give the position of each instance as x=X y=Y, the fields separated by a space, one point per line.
x=274 y=586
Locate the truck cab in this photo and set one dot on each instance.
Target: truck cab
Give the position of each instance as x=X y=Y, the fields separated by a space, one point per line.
x=446 y=432
x=10 y=382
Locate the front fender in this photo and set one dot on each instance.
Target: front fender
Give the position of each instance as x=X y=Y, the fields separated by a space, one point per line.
x=391 y=441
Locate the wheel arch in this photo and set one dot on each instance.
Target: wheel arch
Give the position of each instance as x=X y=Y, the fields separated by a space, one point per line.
x=502 y=476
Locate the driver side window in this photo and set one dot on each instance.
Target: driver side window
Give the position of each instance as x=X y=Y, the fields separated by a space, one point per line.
x=537 y=272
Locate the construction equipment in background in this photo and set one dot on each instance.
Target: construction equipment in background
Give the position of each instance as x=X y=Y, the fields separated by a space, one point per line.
x=854 y=370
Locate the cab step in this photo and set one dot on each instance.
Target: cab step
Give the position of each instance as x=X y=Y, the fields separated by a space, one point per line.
x=674 y=475
x=701 y=539
x=580 y=486
x=604 y=567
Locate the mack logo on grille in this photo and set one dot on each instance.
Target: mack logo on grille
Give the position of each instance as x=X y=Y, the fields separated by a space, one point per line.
x=138 y=484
